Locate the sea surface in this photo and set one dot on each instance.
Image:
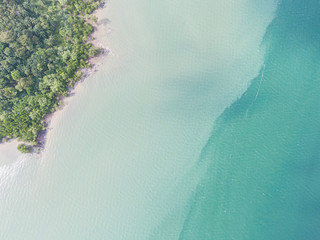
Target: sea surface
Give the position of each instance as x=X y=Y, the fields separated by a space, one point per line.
x=201 y=123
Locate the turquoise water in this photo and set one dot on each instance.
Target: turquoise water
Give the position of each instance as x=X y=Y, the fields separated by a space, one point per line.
x=200 y=124
x=263 y=155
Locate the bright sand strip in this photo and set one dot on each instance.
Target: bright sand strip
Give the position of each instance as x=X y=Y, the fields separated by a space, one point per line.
x=101 y=28
x=8 y=150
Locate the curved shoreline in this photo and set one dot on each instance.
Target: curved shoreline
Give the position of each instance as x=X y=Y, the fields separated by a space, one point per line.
x=9 y=148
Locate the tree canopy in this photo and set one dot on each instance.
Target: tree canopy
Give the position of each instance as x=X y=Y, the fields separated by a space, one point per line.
x=24 y=148
x=43 y=47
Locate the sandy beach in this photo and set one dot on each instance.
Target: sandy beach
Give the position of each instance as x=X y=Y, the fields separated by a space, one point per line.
x=8 y=150
x=101 y=28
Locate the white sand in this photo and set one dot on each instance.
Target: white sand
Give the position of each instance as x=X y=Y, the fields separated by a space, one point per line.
x=8 y=150
x=101 y=28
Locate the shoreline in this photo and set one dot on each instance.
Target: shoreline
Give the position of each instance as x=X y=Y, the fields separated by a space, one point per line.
x=9 y=148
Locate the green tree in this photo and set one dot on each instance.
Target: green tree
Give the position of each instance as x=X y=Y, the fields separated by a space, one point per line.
x=15 y=75
x=23 y=148
x=42 y=51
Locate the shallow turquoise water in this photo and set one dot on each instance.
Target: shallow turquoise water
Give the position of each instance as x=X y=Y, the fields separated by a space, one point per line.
x=123 y=160
x=263 y=177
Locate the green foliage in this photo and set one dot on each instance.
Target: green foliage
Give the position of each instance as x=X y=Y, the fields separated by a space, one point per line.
x=93 y=51
x=15 y=75
x=24 y=148
x=42 y=48
x=81 y=6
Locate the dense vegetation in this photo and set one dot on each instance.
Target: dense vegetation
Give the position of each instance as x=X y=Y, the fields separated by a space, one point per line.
x=42 y=49
x=24 y=148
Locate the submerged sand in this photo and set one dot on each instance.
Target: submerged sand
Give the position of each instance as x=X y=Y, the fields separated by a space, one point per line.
x=8 y=150
x=98 y=39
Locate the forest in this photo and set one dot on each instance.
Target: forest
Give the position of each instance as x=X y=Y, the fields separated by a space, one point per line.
x=43 y=47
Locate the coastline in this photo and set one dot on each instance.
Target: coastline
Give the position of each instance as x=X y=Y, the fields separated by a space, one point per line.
x=8 y=150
